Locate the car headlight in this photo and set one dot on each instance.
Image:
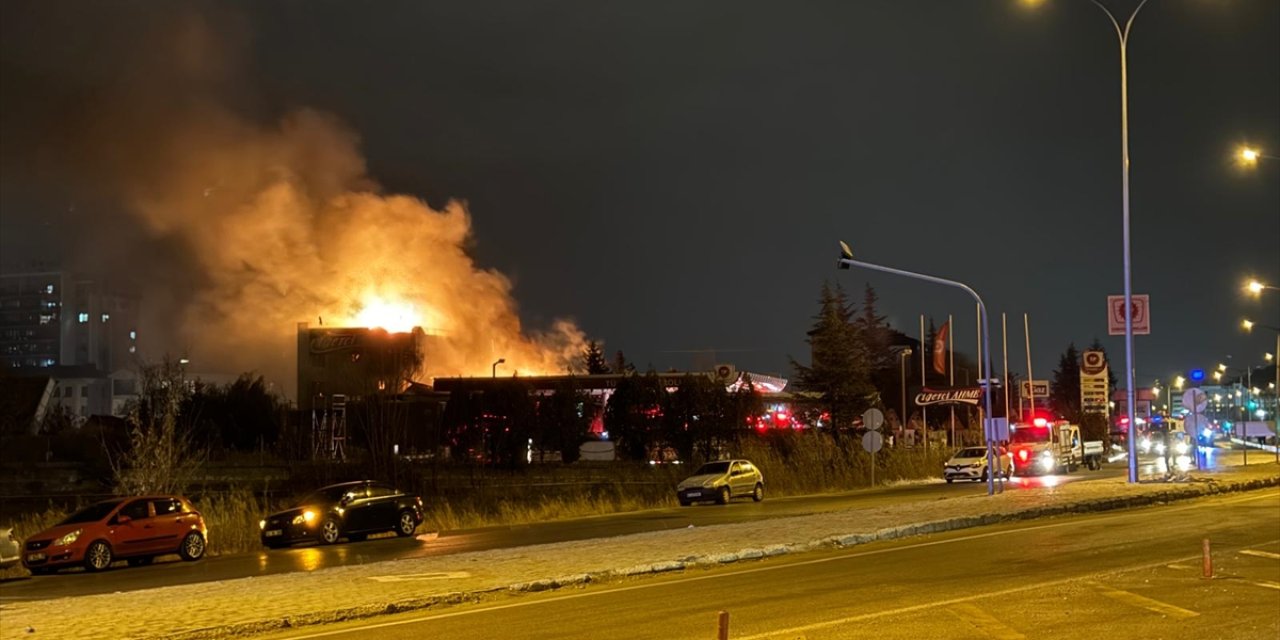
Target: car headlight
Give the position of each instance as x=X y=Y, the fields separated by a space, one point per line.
x=262 y=524
x=304 y=517
x=69 y=538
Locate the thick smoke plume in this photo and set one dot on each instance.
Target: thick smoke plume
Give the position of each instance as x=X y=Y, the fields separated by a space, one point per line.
x=249 y=225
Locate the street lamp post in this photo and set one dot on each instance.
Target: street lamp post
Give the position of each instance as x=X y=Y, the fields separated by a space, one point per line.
x=494 y=370
x=846 y=260
x=1123 y=34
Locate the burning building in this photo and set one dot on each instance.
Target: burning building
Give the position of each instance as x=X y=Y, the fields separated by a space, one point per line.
x=355 y=362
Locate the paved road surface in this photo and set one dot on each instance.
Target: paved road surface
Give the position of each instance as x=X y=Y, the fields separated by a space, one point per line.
x=1130 y=574
x=309 y=558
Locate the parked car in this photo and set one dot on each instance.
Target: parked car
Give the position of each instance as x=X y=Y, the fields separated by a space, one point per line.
x=970 y=463
x=10 y=550
x=136 y=529
x=353 y=510
x=721 y=481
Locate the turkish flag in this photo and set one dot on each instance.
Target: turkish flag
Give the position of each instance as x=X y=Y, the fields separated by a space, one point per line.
x=940 y=348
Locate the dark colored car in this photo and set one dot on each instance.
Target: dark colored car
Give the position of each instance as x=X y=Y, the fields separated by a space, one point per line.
x=351 y=510
x=135 y=529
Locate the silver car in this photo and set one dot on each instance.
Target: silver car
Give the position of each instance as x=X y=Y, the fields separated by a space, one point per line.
x=721 y=481
x=10 y=549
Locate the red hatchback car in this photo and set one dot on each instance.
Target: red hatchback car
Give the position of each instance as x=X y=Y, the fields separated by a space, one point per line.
x=134 y=529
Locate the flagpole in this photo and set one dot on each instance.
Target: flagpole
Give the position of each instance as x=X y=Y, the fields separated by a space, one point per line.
x=951 y=365
x=1031 y=389
x=924 y=411
x=977 y=313
x=1004 y=340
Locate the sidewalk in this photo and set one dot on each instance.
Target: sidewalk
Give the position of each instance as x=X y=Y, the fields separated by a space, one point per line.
x=253 y=605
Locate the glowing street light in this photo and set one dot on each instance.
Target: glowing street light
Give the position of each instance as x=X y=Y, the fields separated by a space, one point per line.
x=494 y=370
x=1178 y=382
x=1249 y=156
x=1256 y=288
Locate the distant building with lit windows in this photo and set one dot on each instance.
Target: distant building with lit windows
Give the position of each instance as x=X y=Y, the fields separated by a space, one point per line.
x=56 y=318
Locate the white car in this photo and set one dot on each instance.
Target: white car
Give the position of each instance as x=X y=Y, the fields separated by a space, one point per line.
x=970 y=463
x=10 y=549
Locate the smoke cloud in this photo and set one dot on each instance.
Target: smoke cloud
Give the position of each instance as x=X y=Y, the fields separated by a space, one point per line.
x=237 y=227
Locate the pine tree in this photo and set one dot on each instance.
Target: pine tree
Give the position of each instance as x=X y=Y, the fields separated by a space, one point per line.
x=839 y=368
x=875 y=332
x=593 y=359
x=620 y=364
x=1064 y=389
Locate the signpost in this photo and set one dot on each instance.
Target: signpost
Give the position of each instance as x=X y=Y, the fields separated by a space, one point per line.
x=1140 y=312
x=872 y=441
x=1093 y=382
x=1035 y=388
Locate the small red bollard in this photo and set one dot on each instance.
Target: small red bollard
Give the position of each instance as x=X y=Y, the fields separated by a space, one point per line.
x=1208 y=560
x=722 y=632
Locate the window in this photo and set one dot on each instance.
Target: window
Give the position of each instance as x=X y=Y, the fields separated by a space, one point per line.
x=166 y=506
x=83 y=317
x=133 y=349
x=48 y=288
x=105 y=317
x=68 y=391
x=136 y=510
x=380 y=491
x=84 y=391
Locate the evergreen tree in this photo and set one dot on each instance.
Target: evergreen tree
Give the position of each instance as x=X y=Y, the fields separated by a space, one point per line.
x=875 y=332
x=1064 y=389
x=593 y=359
x=839 y=368
x=620 y=364
x=633 y=415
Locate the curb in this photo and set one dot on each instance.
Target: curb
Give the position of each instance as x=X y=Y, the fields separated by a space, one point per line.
x=1197 y=489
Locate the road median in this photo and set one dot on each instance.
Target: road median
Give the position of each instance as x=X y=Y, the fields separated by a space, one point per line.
x=251 y=606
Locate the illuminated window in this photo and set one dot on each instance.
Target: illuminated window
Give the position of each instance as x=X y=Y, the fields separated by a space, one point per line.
x=382 y=385
x=48 y=288
x=84 y=317
x=46 y=318
x=106 y=317
x=133 y=349
x=133 y=335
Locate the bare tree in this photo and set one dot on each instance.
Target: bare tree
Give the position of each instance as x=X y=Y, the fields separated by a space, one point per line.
x=161 y=456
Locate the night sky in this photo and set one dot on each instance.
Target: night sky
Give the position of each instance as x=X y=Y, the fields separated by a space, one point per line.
x=674 y=176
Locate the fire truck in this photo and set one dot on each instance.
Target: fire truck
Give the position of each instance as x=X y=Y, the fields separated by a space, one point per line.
x=1044 y=447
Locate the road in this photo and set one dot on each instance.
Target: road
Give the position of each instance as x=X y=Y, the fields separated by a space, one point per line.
x=170 y=571
x=1127 y=574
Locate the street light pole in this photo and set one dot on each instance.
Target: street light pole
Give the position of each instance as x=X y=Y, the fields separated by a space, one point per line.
x=1130 y=393
x=846 y=260
x=495 y=367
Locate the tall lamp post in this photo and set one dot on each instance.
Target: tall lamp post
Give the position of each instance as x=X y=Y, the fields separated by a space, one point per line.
x=1123 y=34
x=846 y=260
x=494 y=370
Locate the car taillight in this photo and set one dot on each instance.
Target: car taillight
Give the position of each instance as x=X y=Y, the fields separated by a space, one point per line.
x=1023 y=455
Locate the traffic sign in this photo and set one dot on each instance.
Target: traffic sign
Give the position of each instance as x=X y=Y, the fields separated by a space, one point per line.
x=1195 y=400
x=872 y=441
x=873 y=419
x=1140 y=314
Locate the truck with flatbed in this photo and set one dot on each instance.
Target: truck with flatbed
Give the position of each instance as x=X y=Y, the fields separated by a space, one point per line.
x=1042 y=447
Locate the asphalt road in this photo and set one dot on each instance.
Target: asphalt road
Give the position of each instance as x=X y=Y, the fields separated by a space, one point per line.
x=169 y=571
x=1129 y=574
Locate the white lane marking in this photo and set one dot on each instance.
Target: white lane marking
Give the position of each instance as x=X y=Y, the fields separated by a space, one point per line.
x=1266 y=583
x=984 y=622
x=879 y=614
x=416 y=577
x=1260 y=554
x=1144 y=602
